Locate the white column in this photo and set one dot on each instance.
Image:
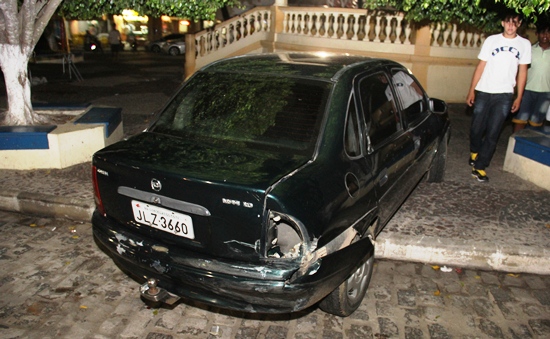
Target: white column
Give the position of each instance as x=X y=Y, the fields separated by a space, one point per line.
x=281 y=3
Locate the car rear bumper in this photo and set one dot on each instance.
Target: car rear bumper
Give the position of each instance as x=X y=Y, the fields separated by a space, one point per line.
x=223 y=284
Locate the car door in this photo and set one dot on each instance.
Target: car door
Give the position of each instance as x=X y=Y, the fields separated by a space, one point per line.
x=361 y=197
x=389 y=147
x=413 y=104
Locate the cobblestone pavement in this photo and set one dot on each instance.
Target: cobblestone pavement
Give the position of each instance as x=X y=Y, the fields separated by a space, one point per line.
x=56 y=283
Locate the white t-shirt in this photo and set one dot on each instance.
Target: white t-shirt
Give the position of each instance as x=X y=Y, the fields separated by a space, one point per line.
x=503 y=56
x=405 y=91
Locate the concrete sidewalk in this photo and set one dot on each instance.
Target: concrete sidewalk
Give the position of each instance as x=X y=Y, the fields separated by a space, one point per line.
x=500 y=225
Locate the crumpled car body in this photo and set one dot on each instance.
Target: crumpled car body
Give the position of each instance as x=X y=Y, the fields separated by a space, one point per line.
x=262 y=184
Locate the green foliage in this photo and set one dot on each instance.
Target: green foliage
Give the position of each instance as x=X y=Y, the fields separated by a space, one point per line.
x=483 y=14
x=190 y=9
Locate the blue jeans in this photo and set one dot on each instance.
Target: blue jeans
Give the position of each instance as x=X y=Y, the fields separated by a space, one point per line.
x=490 y=112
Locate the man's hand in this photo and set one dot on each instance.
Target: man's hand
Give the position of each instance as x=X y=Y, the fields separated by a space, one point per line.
x=515 y=105
x=470 y=99
x=475 y=79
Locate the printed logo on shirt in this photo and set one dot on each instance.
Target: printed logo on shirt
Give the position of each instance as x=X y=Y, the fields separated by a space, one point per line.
x=509 y=49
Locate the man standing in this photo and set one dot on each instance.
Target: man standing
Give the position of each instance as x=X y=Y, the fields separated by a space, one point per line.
x=114 y=41
x=536 y=99
x=492 y=90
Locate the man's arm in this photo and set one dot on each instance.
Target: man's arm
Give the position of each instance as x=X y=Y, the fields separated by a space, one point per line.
x=475 y=79
x=520 y=86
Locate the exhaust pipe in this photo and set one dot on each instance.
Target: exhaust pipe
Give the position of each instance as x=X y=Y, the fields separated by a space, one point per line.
x=151 y=292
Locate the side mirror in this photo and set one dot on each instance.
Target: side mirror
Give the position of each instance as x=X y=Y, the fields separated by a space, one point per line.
x=438 y=106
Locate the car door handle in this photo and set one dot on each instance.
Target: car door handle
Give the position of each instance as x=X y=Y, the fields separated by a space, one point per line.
x=383 y=177
x=416 y=143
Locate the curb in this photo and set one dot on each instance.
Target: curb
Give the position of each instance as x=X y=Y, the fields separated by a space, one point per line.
x=46 y=205
x=463 y=253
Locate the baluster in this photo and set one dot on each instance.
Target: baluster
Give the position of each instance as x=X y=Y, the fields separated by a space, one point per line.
x=238 y=28
x=362 y=22
x=447 y=35
x=267 y=21
x=252 y=24
x=209 y=41
x=372 y=28
x=339 y=26
x=258 y=23
x=322 y=29
x=383 y=25
x=435 y=32
x=356 y=27
x=217 y=39
x=467 y=38
x=245 y=27
x=201 y=44
x=440 y=35
x=350 y=31
x=293 y=26
x=231 y=33
x=378 y=29
x=438 y=27
x=462 y=38
x=299 y=24
x=458 y=38
x=444 y=34
x=313 y=24
x=402 y=34
x=393 y=30
x=408 y=32
x=306 y=23
x=330 y=31
x=223 y=37
x=287 y=26
x=453 y=35
x=475 y=39
x=197 y=46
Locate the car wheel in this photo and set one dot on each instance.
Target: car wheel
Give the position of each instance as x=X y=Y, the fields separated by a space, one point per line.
x=347 y=297
x=436 y=173
x=155 y=49
x=174 y=51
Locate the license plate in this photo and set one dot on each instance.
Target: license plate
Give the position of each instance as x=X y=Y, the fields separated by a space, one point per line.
x=163 y=219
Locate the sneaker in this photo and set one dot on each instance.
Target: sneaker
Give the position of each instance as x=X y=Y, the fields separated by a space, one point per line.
x=480 y=175
x=473 y=158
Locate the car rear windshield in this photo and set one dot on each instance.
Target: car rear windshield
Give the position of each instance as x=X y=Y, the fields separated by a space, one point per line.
x=271 y=112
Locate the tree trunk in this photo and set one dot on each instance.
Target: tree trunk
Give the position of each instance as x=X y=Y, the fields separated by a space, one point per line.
x=18 y=88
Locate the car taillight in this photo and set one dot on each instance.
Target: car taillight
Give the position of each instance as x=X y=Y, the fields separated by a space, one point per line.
x=97 y=196
x=285 y=237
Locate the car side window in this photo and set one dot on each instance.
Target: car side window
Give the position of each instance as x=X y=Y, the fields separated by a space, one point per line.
x=410 y=95
x=378 y=107
x=352 y=141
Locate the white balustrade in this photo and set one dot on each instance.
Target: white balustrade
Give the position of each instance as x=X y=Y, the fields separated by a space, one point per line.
x=346 y=24
x=455 y=36
x=232 y=31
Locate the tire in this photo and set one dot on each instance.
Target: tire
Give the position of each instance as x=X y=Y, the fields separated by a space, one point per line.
x=155 y=49
x=436 y=173
x=174 y=51
x=347 y=297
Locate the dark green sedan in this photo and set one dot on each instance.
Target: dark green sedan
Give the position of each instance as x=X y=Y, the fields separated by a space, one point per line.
x=263 y=183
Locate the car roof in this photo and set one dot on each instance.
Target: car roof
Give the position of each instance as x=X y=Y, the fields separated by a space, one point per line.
x=310 y=65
